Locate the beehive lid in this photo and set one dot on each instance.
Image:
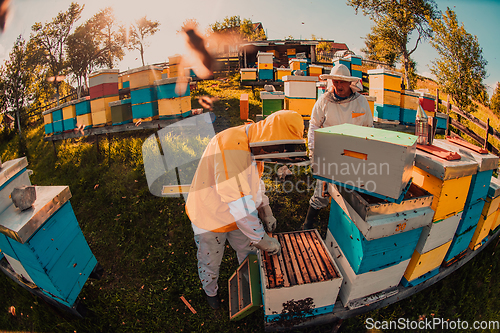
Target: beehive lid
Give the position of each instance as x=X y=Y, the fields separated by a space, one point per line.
x=494 y=189
x=410 y=93
x=21 y=225
x=370 y=133
x=142 y=69
x=52 y=110
x=248 y=70
x=10 y=168
x=485 y=161
x=104 y=71
x=83 y=99
x=171 y=80
x=272 y=95
x=444 y=169
x=115 y=103
x=383 y=71
x=284 y=69
x=300 y=78
x=297 y=60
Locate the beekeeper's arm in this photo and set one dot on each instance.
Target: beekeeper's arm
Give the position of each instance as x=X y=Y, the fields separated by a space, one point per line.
x=265 y=212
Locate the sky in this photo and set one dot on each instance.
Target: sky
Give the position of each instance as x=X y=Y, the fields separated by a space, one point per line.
x=327 y=19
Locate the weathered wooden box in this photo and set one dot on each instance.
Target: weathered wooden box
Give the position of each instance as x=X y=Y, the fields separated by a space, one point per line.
x=448 y=181
x=302 y=281
x=370 y=160
x=359 y=289
x=244 y=289
x=392 y=237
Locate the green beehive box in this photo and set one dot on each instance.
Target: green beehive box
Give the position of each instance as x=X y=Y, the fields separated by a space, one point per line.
x=121 y=113
x=271 y=102
x=244 y=289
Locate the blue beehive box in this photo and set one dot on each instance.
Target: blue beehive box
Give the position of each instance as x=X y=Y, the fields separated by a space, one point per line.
x=143 y=95
x=57 y=115
x=459 y=245
x=69 y=124
x=58 y=126
x=386 y=111
x=49 y=128
x=165 y=88
x=145 y=110
x=82 y=106
x=266 y=74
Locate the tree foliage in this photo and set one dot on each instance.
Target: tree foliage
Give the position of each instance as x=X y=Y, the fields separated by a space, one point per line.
x=237 y=29
x=395 y=21
x=136 y=34
x=495 y=100
x=460 y=69
x=379 y=43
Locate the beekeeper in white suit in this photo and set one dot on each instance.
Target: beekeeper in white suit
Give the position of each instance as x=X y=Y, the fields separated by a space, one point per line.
x=227 y=196
x=341 y=104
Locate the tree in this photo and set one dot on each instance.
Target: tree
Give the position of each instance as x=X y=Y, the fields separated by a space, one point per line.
x=236 y=29
x=380 y=45
x=51 y=39
x=137 y=34
x=460 y=70
x=108 y=35
x=400 y=18
x=495 y=100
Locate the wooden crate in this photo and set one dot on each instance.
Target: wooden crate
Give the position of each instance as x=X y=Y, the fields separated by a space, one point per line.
x=302 y=106
x=300 y=86
x=303 y=275
x=372 y=255
x=46 y=246
x=248 y=74
x=423 y=263
x=361 y=149
x=12 y=174
x=356 y=288
x=384 y=79
x=438 y=233
x=244 y=289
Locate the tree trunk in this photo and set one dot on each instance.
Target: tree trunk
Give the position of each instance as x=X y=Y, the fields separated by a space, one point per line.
x=142 y=55
x=407 y=67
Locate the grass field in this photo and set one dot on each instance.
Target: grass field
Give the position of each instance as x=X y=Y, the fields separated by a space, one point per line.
x=145 y=244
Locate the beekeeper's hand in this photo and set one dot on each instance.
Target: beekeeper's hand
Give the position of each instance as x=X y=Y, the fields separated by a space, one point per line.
x=266 y=215
x=269 y=244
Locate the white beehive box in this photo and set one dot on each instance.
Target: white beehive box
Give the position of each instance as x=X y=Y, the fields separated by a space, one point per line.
x=438 y=233
x=304 y=272
x=300 y=86
x=103 y=76
x=12 y=174
x=369 y=160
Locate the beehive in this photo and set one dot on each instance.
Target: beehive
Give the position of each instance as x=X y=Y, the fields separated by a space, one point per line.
x=493 y=192
x=428 y=102
x=265 y=65
x=315 y=70
x=304 y=275
x=57 y=119
x=145 y=111
x=409 y=104
x=388 y=233
x=103 y=83
x=69 y=115
x=121 y=111
x=84 y=120
x=448 y=181
x=384 y=79
x=300 y=86
x=297 y=64
x=82 y=106
x=442 y=120
x=438 y=233
x=248 y=74
x=48 y=125
x=356 y=288
x=271 y=101
x=101 y=111
x=142 y=77
x=370 y=160
x=385 y=85
x=281 y=72
x=302 y=106
x=170 y=104
x=343 y=61
x=165 y=88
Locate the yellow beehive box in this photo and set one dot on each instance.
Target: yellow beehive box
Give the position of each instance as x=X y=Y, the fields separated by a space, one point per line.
x=248 y=74
x=315 y=70
x=175 y=59
x=371 y=102
x=301 y=106
x=449 y=195
x=384 y=79
x=84 y=119
x=47 y=118
x=295 y=63
x=421 y=263
x=290 y=51
x=101 y=118
x=143 y=76
x=102 y=104
x=265 y=66
x=482 y=230
x=356 y=67
x=409 y=100
x=281 y=72
x=384 y=96
x=69 y=112
x=496 y=221
x=174 y=106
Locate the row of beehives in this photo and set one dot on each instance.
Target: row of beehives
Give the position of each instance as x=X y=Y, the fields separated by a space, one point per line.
x=43 y=244
x=397 y=216
x=151 y=97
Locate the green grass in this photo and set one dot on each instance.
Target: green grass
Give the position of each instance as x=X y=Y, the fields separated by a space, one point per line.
x=145 y=244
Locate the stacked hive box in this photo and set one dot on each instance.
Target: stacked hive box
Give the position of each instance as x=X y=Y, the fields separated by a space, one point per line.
x=265 y=65
x=281 y=72
x=302 y=281
x=103 y=88
x=409 y=105
x=121 y=111
x=43 y=244
x=53 y=119
x=173 y=65
x=315 y=70
x=83 y=112
x=300 y=94
x=428 y=103
x=143 y=93
x=343 y=61
x=449 y=181
x=476 y=196
x=291 y=53
x=489 y=215
x=248 y=74
x=298 y=64
x=320 y=88
x=385 y=85
x=48 y=123
x=442 y=120
x=356 y=62
x=371 y=102
x=494 y=192
x=69 y=116
x=271 y=102
x=374 y=239
x=171 y=105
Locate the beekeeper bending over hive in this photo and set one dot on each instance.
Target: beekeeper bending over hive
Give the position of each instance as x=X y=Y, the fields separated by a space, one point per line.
x=341 y=104
x=227 y=196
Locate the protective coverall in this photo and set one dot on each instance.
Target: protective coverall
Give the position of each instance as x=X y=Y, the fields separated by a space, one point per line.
x=226 y=192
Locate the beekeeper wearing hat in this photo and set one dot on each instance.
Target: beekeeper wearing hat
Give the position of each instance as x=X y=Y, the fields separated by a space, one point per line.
x=342 y=103
x=226 y=197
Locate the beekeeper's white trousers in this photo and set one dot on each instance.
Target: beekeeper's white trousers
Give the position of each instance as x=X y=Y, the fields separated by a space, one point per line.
x=210 y=251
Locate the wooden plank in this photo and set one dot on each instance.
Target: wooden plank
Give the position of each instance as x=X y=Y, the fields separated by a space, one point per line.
x=305 y=256
x=319 y=257
x=268 y=270
x=324 y=256
x=288 y=264
x=281 y=265
x=313 y=253
x=277 y=270
x=300 y=260
x=296 y=268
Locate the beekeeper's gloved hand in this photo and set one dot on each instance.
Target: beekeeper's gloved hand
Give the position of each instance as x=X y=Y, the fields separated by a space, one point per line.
x=269 y=244
x=266 y=215
x=246 y=216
